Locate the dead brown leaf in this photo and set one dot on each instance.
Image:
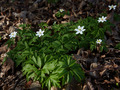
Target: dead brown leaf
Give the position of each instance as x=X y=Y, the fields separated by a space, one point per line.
x=53 y=88
x=36 y=86
x=103 y=56
x=110 y=16
x=76 y=57
x=81 y=5
x=3 y=49
x=117 y=79
x=90 y=86
x=48 y=21
x=64 y=21
x=66 y=16
x=93 y=66
x=27 y=85
x=8 y=64
x=85 y=87
x=103 y=72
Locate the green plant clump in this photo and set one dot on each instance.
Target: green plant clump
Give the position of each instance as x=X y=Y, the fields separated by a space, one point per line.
x=44 y=54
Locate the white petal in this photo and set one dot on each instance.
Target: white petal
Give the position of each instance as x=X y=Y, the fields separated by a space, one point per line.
x=114 y=7
x=105 y=20
x=37 y=34
x=83 y=29
x=77 y=32
x=110 y=8
x=79 y=27
x=81 y=32
x=40 y=30
x=10 y=36
x=98 y=20
x=42 y=34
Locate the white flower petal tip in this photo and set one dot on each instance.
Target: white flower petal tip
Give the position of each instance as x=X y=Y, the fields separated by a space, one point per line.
x=112 y=7
x=39 y=33
x=61 y=10
x=13 y=34
x=102 y=19
x=80 y=30
x=99 y=41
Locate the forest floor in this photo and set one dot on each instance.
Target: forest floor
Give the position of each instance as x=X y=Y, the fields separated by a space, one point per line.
x=102 y=70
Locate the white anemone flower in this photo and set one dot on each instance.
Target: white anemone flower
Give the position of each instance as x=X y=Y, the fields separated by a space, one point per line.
x=112 y=7
x=80 y=30
x=61 y=10
x=13 y=34
x=39 y=33
x=98 y=41
x=102 y=19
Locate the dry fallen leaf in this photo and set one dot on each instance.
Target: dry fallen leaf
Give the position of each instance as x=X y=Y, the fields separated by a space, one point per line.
x=103 y=72
x=90 y=86
x=93 y=66
x=53 y=88
x=103 y=56
x=66 y=16
x=64 y=21
x=3 y=49
x=76 y=57
x=81 y=5
x=6 y=87
x=27 y=85
x=8 y=64
x=85 y=87
x=36 y=86
x=117 y=79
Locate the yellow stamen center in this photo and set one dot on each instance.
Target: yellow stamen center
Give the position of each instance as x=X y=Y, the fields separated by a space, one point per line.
x=79 y=29
x=98 y=40
x=39 y=32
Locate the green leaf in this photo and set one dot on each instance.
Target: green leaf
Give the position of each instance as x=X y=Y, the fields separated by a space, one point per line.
x=33 y=40
x=34 y=59
x=68 y=46
x=26 y=45
x=10 y=42
x=70 y=69
x=50 y=65
x=52 y=80
x=39 y=62
x=56 y=44
x=65 y=36
x=101 y=48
